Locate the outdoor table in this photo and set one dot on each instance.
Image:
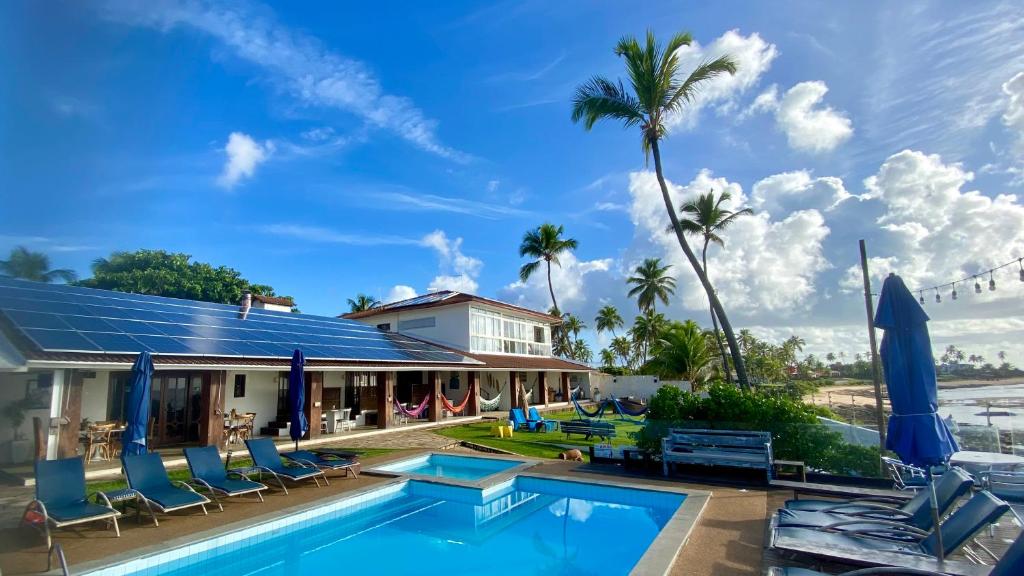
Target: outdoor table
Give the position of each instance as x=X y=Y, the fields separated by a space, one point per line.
x=126 y=495
x=975 y=462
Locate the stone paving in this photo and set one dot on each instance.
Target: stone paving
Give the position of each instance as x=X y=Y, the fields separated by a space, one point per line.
x=419 y=439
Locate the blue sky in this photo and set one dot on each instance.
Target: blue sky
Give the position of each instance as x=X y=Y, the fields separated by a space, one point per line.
x=328 y=149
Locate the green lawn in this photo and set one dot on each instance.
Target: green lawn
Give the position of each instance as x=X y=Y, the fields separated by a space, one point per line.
x=183 y=474
x=539 y=444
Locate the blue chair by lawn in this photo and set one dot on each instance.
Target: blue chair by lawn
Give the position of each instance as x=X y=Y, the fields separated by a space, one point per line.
x=61 y=499
x=324 y=460
x=266 y=459
x=519 y=421
x=208 y=473
x=548 y=425
x=148 y=478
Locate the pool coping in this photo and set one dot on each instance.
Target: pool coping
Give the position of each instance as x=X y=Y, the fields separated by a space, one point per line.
x=525 y=463
x=659 y=557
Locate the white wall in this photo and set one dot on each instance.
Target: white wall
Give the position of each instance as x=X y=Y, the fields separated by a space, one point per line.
x=94 y=396
x=641 y=387
x=260 y=396
x=451 y=324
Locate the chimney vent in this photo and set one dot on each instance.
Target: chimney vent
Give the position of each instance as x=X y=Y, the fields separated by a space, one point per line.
x=246 y=305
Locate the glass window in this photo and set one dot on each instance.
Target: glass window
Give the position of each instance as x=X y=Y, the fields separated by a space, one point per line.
x=496 y=332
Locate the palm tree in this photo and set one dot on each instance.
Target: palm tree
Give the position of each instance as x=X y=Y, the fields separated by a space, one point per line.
x=657 y=94
x=544 y=244
x=362 y=303
x=608 y=319
x=572 y=324
x=28 y=265
x=682 y=352
x=581 y=352
x=646 y=330
x=607 y=358
x=706 y=217
x=624 y=348
x=651 y=282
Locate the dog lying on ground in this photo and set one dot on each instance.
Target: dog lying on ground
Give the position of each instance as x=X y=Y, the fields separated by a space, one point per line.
x=574 y=455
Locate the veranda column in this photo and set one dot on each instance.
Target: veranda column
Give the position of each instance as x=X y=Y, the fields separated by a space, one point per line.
x=211 y=408
x=71 y=408
x=385 y=398
x=513 y=389
x=565 y=386
x=434 y=384
x=542 y=382
x=314 y=401
x=473 y=378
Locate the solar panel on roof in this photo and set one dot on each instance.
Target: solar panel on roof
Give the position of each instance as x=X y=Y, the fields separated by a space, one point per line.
x=72 y=319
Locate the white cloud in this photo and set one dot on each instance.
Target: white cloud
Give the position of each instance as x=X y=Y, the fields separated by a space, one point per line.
x=326 y=235
x=319 y=134
x=458 y=271
x=572 y=281
x=492 y=185
x=769 y=262
x=420 y=202
x=1013 y=117
x=790 y=191
x=808 y=126
x=753 y=57
x=296 y=63
x=244 y=155
x=933 y=231
x=399 y=292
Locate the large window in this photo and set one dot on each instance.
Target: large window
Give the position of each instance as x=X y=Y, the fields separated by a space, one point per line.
x=499 y=333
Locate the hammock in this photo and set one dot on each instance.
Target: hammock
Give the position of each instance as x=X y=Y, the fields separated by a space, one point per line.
x=622 y=409
x=490 y=405
x=529 y=396
x=581 y=412
x=416 y=412
x=574 y=392
x=456 y=409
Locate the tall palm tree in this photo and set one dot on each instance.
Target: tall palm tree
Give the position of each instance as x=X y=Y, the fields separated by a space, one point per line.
x=707 y=218
x=607 y=358
x=28 y=265
x=581 y=352
x=657 y=95
x=362 y=303
x=646 y=330
x=651 y=281
x=573 y=324
x=544 y=244
x=624 y=348
x=682 y=352
x=608 y=319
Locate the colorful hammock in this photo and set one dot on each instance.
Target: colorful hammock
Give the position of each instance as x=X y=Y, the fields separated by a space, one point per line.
x=457 y=409
x=490 y=405
x=416 y=412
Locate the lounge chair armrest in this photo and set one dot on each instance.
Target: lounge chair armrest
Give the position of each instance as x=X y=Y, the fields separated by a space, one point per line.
x=879 y=499
x=202 y=483
x=302 y=463
x=882 y=526
x=103 y=500
x=184 y=485
x=873 y=506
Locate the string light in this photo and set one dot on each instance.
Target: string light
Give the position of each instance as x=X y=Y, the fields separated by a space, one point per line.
x=955 y=294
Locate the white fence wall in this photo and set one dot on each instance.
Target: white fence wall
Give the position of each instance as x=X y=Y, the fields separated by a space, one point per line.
x=640 y=387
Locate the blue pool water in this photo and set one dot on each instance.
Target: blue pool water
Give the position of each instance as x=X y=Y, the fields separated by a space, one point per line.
x=450 y=466
x=522 y=526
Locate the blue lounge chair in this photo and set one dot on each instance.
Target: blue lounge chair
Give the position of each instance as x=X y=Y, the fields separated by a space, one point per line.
x=148 y=478
x=547 y=425
x=1011 y=564
x=852 y=548
x=324 y=461
x=61 y=499
x=208 y=473
x=916 y=512
x=520 y=421
x=266 y=459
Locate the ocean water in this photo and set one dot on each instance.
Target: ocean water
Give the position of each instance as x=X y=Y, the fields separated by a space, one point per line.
x=967 y=405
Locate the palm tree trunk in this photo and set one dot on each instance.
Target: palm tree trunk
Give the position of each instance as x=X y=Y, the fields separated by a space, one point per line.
x=551 y=287
x=716 y=305
x=714 y=321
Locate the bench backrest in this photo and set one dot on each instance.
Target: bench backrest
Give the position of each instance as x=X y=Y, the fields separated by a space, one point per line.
x=726 y=440
x=587 y=425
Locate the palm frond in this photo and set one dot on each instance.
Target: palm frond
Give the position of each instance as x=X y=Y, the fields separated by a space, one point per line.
x=600 y=98
x=687 y=91
x=528 y=269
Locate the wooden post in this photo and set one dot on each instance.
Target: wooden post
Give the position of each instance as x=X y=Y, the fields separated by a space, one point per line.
x=211 y=408
x=513 y=389
x=473 y=383
x=542 y=383
x=566 y=393
x=385 y=398
x=314 y=402
x=71 y=409
x=434 y=383
x=876 y=375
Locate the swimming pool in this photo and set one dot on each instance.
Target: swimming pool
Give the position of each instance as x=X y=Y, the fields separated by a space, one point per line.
x=538 y=525
x=450 y=466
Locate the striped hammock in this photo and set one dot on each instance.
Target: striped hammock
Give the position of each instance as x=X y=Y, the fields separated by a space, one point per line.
x=529 y=396
x=490 y=405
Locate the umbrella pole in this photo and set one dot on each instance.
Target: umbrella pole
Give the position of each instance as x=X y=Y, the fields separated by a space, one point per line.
x=941 y=550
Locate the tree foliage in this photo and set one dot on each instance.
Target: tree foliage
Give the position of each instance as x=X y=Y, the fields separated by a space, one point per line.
x=28 y=265
x=681 y=352
x=651 y=282
x=161 y=273
x=362 y=303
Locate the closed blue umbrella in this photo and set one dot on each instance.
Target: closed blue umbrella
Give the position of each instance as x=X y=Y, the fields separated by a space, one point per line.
x=137 y=407
x=915 y=432
x=297 y=398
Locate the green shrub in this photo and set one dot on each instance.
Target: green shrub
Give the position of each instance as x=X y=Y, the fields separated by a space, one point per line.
x=796 y=432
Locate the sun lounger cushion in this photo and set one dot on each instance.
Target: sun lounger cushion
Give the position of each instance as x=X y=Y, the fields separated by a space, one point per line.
x=172 y=497
x=77 y=511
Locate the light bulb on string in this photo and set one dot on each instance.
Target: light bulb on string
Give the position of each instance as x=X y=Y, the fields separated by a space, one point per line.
x=977 y=286
x=954 y=291
x=991 y=282
x=921 y=299
x=938 y=297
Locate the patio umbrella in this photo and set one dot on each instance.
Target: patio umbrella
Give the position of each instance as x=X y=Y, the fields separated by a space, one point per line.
x=915 y=432
x=133 y=438
x=297 y=397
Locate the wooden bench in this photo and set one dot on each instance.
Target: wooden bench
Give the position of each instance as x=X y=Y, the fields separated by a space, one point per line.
x=732 y=448
x=588 y=428
x=894 y=497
